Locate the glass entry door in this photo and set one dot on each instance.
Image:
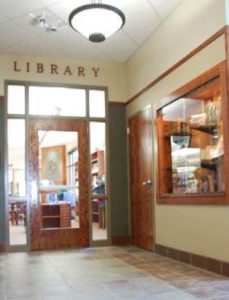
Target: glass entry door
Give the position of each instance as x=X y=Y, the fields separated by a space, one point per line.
x=58 y=183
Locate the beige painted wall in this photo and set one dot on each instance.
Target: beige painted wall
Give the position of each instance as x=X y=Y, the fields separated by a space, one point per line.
x=204 y=229
x=187 y=27
x=111 y=75
x=204 y=60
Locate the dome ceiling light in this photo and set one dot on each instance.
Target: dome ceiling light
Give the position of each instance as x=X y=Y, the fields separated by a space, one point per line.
x=96 y=21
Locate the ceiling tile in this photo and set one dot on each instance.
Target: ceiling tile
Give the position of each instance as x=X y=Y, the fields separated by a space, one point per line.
x=113 y=42
x=121 y=56
x=134 y=27
x=12 y=8
x=66 y=39
x=11 y=34
x=49 y=2
x=3 y=19
x=29 y=21
x=35 y=46
x=19 y=32
x=64 y=8
x=111 y=47
x=126 y=4
x=93 y=53
x=164 y=7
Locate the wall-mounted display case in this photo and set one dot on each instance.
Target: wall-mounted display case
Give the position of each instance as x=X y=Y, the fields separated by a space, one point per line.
x=192 y=132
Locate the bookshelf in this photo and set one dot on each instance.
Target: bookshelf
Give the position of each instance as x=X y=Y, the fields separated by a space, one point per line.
x=55 y=215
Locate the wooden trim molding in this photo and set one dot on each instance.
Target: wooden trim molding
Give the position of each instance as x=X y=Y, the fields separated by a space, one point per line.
x=199 y=261
x=113 y=103
x=226 y=33
x=120 y=240
x=59 y=236
x=222 y=31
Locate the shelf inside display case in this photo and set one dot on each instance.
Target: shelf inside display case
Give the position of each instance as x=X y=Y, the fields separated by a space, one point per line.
x=205 y=128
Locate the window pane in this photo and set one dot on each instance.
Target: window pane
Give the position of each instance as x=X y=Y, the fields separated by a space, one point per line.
x=190 y=139
x=16 y=157
x=97 y=103
x=99 y=219
x=98 y=158
x=16 y=182
x=57 y=101
x=59 y=192
x=16 y=99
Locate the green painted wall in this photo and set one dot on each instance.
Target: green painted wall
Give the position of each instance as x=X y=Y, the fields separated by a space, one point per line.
x=2 y=204
x=118 y=170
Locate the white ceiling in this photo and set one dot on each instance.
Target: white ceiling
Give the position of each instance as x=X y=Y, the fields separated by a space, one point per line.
x=19 y=34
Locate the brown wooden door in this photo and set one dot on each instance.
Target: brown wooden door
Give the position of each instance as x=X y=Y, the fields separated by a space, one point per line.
x=140 y=160
x=51 y=215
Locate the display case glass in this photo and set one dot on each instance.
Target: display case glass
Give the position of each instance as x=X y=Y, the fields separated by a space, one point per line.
x=191 y=142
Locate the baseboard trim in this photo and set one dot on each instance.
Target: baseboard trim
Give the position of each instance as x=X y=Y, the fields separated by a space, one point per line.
x=2 y=248
x=120 y=240
x=117 y=103
x=202 y=262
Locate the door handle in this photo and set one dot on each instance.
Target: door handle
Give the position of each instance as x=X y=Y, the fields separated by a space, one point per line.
x=147 y=183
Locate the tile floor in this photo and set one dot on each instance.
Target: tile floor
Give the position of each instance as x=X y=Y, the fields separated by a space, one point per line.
x=105 y=273
x=17 y=234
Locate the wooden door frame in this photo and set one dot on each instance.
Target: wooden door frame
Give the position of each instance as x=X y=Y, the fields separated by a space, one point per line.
x=153 y=170
x=41 y=239
x=26 y=115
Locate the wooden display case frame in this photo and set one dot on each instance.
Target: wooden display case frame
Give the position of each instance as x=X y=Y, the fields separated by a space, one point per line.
x=219 y=71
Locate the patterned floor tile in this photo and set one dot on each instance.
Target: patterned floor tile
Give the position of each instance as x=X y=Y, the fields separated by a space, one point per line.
x=105 y=273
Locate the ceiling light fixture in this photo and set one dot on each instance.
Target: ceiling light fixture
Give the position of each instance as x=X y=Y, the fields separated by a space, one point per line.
x=48 y=21
x=96 y=21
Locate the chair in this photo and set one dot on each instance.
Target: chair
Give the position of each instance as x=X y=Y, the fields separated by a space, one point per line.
x=21 y=213
x=17 y=213
x=12 y=214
